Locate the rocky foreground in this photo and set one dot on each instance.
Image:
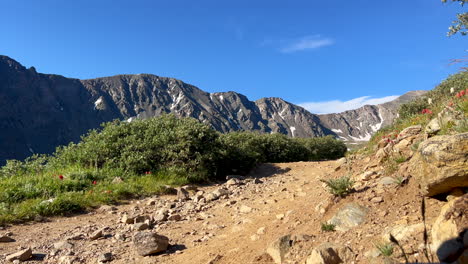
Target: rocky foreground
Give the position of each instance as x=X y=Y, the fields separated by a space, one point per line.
x=275 y=215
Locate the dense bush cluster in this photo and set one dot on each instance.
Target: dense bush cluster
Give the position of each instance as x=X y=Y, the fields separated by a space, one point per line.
x=124 y=159
x=190 y=147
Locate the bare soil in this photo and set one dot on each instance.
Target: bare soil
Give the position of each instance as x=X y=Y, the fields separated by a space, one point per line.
x=227 y=231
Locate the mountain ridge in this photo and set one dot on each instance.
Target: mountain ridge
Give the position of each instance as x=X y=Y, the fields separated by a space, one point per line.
x=39 y=111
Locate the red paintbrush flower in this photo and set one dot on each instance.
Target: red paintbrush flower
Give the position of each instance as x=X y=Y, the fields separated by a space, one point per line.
x=94 y=182
x=61 y=177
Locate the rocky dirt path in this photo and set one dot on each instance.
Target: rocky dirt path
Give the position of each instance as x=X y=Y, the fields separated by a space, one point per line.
x=233 y=222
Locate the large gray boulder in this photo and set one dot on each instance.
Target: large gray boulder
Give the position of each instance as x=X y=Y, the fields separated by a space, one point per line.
x=349 y=216
x=148 y=243
x=441 y=164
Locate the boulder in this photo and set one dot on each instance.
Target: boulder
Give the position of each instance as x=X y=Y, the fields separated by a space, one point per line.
x=441 y=164
x=403 y=233
x=448 y=229
x=330 y=253
x=409 y=132
x=147 y=243
x=349 y=216
x=278 y=249
x=446 y=116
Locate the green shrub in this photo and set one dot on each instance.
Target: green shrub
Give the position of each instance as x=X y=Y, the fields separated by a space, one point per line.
x=328 y=227
x=340 y=186
x=386 y=249
x=146 y=155
x=412 y=108
x=147 y=145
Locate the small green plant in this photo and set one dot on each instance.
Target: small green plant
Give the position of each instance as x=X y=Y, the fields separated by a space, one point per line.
x=339 y=187
x=400 y=180
x=415 y=145
x=328 y=227
x=386 y=249
x=400 y=159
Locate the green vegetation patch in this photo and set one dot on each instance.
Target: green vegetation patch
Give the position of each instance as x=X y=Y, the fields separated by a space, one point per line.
x=130 y=160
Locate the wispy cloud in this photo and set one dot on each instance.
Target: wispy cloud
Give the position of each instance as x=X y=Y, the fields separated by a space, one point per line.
x=337 y=106
x=306 y=43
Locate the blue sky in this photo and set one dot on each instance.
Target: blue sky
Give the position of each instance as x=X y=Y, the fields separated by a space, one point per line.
x=326 y=55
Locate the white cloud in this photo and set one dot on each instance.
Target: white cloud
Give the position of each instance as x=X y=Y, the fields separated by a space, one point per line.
x=337 y=106
x=306 y=43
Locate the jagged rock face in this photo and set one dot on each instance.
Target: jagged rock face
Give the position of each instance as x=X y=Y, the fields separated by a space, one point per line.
x=144 y=95
x=39 y=112
x=360 y=124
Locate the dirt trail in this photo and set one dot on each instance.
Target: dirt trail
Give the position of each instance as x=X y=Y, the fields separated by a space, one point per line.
x=236 y=229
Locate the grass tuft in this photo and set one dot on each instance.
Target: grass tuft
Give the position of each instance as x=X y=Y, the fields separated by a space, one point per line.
x=339 y=187
x=328 y=227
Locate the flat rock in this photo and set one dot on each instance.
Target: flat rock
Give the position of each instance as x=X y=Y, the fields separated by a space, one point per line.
x=22 y=255
x=245 y=209
x=63 y=245
x=349 y=216
x=387 y=181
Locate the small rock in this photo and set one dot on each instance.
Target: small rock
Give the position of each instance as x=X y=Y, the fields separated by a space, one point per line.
x=127 y=219
x=140 y=226
x=215 y=260
x=245 y=209
x=63 y=245
x=280 y=216
x=175 y=217
x=6 y=239
x=233 y=182
x=96 y=235
x=22 y=255
x=140 y=219
x=257 y=181
x=261 y=231
x=387 y=181
x=366 y=175
x=182 y=194
x=278 y=249
x=148 y=243
x=330 y=253
x=377 y=199
x=106 y=257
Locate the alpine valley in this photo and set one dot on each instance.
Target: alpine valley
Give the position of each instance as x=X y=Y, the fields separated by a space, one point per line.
x=39 y=112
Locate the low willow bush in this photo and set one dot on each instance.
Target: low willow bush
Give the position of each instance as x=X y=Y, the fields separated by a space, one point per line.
x=124 y=160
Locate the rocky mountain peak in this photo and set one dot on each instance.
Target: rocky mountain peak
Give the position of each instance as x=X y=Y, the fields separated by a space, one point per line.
x=61 y=109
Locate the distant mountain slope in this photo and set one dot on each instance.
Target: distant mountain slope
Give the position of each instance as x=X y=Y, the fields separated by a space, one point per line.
x=39 y=112
x=360 y=124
